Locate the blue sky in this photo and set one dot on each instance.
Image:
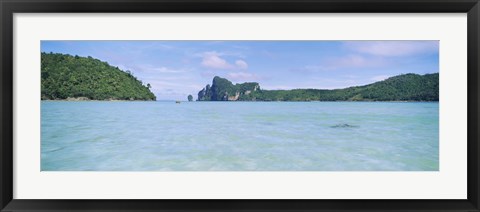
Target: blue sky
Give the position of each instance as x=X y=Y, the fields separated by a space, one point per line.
x=178 y=68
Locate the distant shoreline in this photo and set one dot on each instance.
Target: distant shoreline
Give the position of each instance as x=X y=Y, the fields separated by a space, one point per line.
x=94 y=100
x=324 y=101
x=404 y=87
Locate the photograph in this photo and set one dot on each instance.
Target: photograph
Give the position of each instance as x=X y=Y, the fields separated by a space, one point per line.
x=239 y=105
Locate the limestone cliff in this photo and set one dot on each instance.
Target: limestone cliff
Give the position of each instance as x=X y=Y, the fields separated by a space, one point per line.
x=224 y=90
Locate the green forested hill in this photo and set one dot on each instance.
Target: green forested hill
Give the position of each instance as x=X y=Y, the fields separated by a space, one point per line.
x=65 y=76
x=406 y=87
x=224 y=90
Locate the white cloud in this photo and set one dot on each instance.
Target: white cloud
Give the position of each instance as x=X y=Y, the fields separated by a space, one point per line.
x=242 y=76
x=214 y=60
x=279 y=87
x=167 y=70
x=393 y=48
x=349 y=61
x=380 y=77
x=151 y=69
x=356 y=61
x=241 y=64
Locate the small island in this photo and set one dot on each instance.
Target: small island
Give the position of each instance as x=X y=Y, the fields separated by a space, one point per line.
x=405 y=87
x=75 y=78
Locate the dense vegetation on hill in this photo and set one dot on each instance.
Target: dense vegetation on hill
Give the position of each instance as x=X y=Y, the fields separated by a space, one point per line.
x=65 y=77
x=406 y=87
x=224 y=90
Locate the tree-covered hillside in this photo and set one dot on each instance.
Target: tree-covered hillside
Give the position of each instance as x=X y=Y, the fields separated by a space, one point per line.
x=224 y=90
x=406 y=87
x=65 y=76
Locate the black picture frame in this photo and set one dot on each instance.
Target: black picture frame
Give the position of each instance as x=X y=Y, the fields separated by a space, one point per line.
x=9 y=7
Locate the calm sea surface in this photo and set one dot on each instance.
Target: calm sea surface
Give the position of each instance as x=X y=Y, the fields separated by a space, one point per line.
x=239 y=136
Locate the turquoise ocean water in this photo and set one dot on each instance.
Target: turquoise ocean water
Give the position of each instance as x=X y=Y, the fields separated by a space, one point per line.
x=239 y=136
